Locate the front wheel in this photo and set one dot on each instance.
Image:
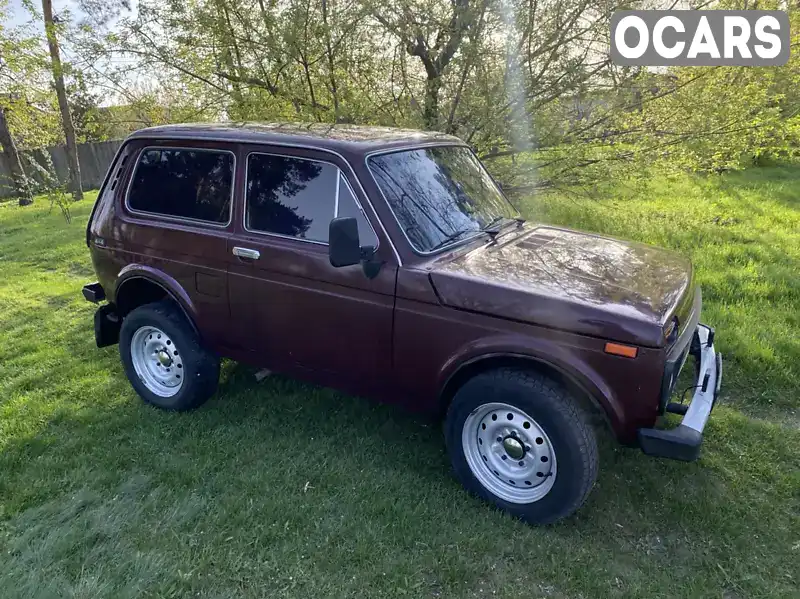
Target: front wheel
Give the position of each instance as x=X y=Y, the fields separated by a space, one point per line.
x=164 y=360
x=518 y=440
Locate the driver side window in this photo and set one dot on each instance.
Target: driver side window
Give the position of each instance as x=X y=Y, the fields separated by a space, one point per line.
x=298 y=197
x=288 y=196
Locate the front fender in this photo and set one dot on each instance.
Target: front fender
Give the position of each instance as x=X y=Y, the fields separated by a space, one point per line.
x=571 y=360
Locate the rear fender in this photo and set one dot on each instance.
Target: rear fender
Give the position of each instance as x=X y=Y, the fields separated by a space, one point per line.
x=132 y=273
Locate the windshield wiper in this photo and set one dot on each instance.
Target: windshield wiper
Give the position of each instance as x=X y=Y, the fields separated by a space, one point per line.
x=498 y=223
x=451 y=238
x=493 y=227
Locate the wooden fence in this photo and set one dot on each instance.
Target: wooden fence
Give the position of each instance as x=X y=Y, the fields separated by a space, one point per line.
x=94 y=158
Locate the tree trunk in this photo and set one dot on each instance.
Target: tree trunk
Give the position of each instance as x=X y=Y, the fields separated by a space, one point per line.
x=13 y=161
x=61 y=92
x=239 y=109
x=334 y=89
x=430 y=112
x=435 y=58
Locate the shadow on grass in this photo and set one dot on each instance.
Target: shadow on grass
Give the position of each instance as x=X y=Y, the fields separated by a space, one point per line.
x=279 y=429
x=783 y=183
x=112 y=491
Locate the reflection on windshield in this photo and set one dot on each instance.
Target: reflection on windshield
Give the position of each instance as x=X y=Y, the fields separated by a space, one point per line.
x=439 y=194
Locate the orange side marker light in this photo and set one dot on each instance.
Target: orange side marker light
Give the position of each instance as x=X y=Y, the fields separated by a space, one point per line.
x=618 y=349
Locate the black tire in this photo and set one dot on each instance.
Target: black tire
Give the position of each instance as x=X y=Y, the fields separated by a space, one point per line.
x=556 y=412
x=200 y=366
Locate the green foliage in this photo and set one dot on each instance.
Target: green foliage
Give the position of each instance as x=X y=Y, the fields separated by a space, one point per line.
x=532 y=80
x=58 y=196
x=422 y=63
x=89 y=120
x=709 y=119
x=26 y=87
x=507 y=76
x=47 y=184
x=701 y=119
x=25 y=91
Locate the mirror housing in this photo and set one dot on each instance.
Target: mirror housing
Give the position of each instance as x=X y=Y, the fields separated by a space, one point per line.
x=344 y=248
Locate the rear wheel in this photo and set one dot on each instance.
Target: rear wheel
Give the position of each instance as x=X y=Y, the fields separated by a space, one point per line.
x=164 y=360
x=518 y=440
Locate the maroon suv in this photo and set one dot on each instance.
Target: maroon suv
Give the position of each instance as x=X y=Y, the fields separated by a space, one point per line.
x=388 y=263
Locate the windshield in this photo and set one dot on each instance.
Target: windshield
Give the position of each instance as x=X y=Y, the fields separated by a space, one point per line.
x=439 y=195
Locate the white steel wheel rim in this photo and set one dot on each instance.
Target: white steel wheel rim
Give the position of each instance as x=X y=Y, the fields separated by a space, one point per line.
x=157 y=361
x=509 y=453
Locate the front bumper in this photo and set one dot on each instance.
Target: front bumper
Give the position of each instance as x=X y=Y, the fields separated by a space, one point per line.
x=683 y=442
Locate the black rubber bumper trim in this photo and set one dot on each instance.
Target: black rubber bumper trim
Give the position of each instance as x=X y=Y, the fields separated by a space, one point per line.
x=94 y=292
x=679 y=443
x=107 y=324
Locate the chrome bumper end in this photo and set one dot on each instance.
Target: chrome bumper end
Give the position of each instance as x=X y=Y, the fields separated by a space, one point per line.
x=683 y=442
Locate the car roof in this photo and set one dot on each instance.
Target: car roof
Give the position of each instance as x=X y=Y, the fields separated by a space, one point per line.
x=340 y=137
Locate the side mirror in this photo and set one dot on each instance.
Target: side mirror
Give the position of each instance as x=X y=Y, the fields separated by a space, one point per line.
x=344 y=248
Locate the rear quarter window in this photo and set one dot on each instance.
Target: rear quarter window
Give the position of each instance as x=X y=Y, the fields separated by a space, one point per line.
x=190 y=184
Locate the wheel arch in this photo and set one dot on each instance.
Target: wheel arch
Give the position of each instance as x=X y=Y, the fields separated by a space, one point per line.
x=136 y=287
x=591 y=402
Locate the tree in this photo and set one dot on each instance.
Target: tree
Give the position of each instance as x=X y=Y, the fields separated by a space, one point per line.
x=14 y=163
x=24 y=99
x=63 y=105
x=514 y=78
x=434 y=39
x=369 y=62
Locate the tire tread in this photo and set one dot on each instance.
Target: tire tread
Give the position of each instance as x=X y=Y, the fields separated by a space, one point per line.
x=205 y=363
x=549 y=395
x=562 y=402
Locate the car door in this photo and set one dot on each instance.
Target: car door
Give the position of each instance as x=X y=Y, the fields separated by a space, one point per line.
x=300 y=314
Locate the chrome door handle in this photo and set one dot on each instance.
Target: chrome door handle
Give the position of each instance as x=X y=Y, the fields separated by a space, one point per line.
x=246 y=253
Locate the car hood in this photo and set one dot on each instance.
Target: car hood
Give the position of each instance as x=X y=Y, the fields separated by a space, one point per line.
x=568 y=280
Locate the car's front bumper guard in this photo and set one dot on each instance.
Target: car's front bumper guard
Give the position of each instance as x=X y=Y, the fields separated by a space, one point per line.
x=683 y=442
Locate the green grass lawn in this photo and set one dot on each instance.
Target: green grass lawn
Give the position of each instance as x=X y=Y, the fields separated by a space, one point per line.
x=279 y=489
